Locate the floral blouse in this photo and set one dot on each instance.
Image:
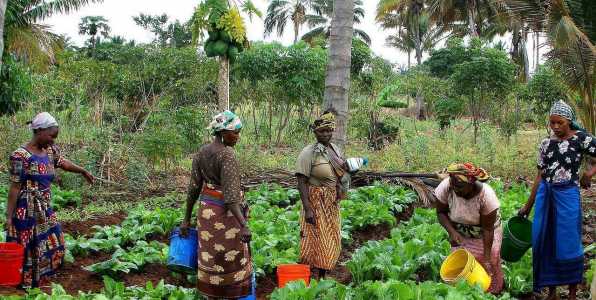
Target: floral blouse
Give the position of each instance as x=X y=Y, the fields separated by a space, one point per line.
x=560 y=160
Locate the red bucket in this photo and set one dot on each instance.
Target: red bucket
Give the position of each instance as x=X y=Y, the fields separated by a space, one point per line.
x=11 y=263
x=287 y=273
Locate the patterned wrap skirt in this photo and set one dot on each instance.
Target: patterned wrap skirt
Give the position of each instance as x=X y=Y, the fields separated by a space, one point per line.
x=320 y=244
x=224 y=262
x=476 y=247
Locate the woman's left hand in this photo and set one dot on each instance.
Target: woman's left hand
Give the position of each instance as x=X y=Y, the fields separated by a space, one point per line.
x=585 y=181
x=88 y=177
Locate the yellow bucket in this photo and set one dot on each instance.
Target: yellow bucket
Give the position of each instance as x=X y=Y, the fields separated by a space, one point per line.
x=461 y=264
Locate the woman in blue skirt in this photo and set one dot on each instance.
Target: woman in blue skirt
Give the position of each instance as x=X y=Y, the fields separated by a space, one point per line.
x=557 y=228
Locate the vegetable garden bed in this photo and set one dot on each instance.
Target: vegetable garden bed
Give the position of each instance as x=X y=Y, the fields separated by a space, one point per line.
x=131 y=249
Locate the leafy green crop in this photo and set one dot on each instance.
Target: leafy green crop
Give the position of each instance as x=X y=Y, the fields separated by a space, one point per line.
x=114 y=290
x=124 y=261
x=518 y=275
x=276 y=229
x=272 y=194
x=418 y=246
x=61 y=198
x=388 y=290
x=374 y=205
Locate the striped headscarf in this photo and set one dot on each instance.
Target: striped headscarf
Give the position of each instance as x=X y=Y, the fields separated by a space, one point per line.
x=562 y=109
x=225 y=120
x=467 y=172
x=326 y=120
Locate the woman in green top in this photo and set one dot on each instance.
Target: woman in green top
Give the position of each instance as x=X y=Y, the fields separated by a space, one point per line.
x=319 y=170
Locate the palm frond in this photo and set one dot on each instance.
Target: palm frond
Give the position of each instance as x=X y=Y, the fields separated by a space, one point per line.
x=278 y=13
x=36 y=45
x=362 y=35
x=249 y=8
x=40 y=10
x=316 y=20
x=317 y=32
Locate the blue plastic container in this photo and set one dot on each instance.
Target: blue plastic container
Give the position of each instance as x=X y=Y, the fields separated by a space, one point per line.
x=182 y=256
x=253 y=295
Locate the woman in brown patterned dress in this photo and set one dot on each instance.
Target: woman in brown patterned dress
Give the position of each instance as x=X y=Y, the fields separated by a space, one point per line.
x=319 y=169
x=224 y=262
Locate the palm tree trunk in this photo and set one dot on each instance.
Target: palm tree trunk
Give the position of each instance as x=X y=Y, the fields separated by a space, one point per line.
x=223 y=89
x=337 y=79
x=537 y=50
x=472 y=18
x=409 y=64
x=3 y=4
x=420 y=111
x=296 y=31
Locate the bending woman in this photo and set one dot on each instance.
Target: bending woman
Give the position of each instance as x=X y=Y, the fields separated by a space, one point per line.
x=224 y=262
x=556 y=231
x=469 y=210
x=319 y=170
x=30 y=220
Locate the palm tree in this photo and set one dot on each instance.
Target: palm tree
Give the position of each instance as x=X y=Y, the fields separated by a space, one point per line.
x=413 y=32
x=280 y=11
x=408 y=14
x=403 y=41
x=93 y=26
x=337 y=79
x=319 y=21
x=480 y=16
x=29 y=40
x=573 y=52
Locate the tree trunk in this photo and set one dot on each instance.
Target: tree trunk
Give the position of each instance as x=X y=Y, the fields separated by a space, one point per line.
x=524 y=48
x=296 y=32
x=537 y=51
x=3 y=4
x=472 y=19
x=337 y=79
x=409 y=64
x=420 y=111
x=223 y=89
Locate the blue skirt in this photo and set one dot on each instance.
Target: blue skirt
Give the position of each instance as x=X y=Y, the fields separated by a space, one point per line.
x=557 y=236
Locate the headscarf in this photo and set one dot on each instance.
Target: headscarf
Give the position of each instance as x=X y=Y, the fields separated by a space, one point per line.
x=326 y=120
x=467 y=172
x=562 y=109
x=42 y=121
x=225 y=120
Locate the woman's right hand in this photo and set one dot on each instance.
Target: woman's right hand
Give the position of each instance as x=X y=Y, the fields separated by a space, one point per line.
x=455 y=238
x=309 y=216
x=524 y=212
x=8 y=224
x=184 y=228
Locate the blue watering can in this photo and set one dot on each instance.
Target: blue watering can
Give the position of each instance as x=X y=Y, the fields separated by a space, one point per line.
x=182 y=256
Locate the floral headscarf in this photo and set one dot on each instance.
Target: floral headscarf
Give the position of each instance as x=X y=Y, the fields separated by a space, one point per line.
x=225 y=120
x=467 y=172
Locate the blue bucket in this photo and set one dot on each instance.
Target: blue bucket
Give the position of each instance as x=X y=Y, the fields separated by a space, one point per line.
x=182 y=256
x=253 y=295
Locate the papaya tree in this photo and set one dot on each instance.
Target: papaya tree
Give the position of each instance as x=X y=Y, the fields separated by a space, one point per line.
x=225 y=37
